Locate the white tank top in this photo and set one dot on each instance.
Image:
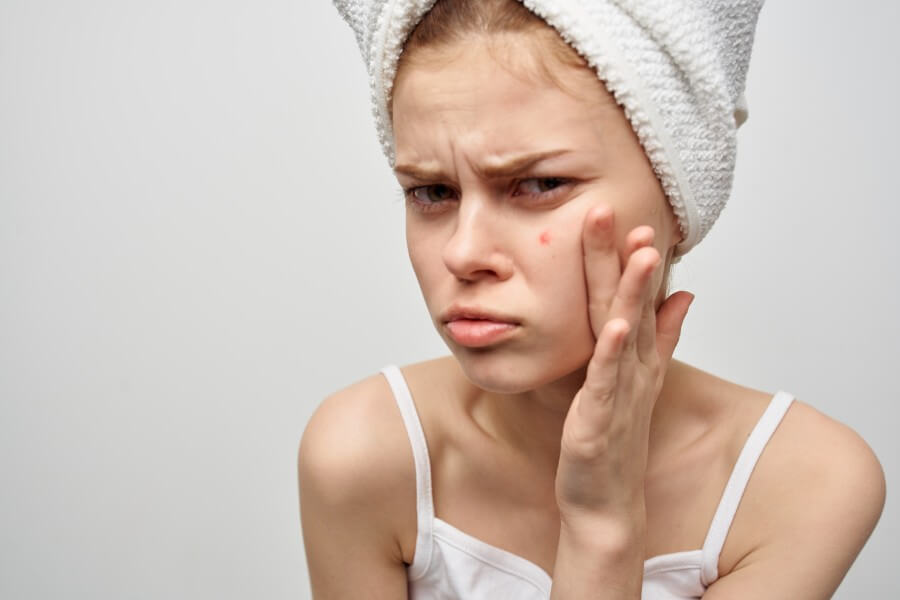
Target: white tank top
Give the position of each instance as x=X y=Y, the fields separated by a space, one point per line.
x=449 y=564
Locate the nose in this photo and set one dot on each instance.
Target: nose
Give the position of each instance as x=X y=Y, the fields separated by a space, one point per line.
x=475 y=249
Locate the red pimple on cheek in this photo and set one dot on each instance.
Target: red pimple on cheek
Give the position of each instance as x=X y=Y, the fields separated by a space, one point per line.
x=545 y=238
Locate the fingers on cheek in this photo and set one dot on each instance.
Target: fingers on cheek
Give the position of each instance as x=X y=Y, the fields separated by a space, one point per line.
x=637 y=238
x=604 y=366
x=646 y=342
x=646 y=264
x=611 y=343
x=636 y=279
x=599 y=227
x=617 y=330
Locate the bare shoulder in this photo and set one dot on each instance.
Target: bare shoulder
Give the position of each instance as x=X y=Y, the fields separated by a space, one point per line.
x=830 y=467
x=357 y=489
x=814 y=498
x=829 y=470
x=355 y=448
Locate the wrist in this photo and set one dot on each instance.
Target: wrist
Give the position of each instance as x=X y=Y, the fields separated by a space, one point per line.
x=615 y=535
x=599 y=553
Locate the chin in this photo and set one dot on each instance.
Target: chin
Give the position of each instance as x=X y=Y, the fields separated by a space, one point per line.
x=506 y=371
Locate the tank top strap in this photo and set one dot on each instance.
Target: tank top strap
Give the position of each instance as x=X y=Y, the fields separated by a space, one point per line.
x=424 y=501
x=737 y=483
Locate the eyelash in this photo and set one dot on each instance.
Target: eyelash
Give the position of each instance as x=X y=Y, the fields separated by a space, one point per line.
x=410 y=193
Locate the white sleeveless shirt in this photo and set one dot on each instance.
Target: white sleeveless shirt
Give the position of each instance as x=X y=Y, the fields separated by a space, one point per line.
x=449 y=564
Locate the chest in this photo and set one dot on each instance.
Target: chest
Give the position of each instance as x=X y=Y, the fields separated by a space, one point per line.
x=511 y=506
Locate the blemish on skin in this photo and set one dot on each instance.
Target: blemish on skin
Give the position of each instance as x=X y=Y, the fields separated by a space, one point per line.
x=545 y=238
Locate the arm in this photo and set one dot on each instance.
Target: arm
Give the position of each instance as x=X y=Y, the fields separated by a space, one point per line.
x=598 y=560
x=805 y=516
x=812 y=503
x=603 y=455
x=350 y=471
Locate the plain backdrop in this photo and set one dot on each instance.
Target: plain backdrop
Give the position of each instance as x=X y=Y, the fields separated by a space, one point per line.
x=200 y=239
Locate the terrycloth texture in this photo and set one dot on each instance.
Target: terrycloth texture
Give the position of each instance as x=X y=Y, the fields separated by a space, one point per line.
x=677 y=67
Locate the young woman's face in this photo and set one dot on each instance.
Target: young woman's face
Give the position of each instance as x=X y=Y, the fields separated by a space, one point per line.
x=501 y=166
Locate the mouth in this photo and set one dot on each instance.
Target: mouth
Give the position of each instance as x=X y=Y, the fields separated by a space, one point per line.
x=464 y=313
x=477 y=328
x=478 y=333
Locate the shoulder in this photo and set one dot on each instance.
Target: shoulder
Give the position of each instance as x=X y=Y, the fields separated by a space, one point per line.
x=816 y=479
x=831 y=469
x=827 y=466
x=355 y=443
x=353 y=458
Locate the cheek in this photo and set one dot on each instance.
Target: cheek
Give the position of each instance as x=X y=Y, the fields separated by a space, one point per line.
x=561 y=271
x=424 y=256
x=568 y=327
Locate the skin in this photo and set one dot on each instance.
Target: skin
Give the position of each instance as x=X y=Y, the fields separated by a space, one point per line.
x=587 y=327
x=598 y=442
x=506 y=248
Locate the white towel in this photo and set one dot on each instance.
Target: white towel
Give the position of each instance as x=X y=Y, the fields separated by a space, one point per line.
x=677 y=67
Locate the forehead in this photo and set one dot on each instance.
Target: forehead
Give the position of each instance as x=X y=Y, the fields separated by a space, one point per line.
x=482 y=94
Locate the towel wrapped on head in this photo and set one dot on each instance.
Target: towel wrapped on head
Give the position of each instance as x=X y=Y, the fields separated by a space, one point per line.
x=677 y=68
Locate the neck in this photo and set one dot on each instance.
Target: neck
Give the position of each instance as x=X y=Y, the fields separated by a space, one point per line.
x=531 y=423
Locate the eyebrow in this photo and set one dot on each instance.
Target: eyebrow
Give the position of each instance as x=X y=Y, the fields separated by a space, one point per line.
x=507 y=167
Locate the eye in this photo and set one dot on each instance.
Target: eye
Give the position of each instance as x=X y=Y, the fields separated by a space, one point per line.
x=428 y=197
x=536 y=186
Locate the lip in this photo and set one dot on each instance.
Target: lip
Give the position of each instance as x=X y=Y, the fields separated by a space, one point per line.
x=476 y=327
x=474 y=313
x=478 y=333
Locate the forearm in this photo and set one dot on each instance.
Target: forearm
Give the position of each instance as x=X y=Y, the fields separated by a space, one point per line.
x=599 y=561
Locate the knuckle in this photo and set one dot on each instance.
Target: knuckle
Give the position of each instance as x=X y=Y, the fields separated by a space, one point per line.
x=582 y=446
x=598 y=393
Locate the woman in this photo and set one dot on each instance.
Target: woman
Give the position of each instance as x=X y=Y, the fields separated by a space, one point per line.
x=555 y=164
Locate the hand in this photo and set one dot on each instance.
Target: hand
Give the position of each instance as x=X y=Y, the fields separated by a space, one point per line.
x=603 y=454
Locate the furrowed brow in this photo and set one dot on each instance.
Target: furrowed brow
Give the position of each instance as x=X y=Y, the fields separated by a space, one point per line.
x=517 y=164
x=506 y=167
x=420 y=173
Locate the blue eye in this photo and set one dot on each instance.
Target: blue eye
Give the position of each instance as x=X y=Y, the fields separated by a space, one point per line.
x=427 y=197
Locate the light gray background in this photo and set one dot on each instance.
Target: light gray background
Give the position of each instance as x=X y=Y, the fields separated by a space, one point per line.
x=199 y=240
